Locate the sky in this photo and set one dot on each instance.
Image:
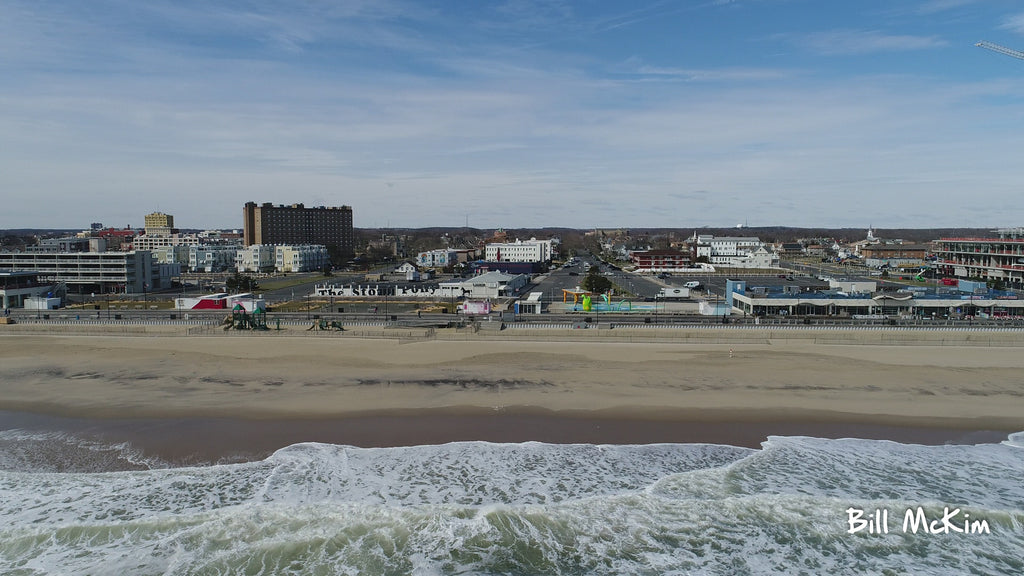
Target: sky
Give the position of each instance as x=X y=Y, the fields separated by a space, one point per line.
x=514 y=114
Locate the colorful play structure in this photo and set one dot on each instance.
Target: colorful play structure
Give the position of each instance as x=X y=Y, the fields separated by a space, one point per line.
x=241 y=319
x=585 y=298
x=577 y=294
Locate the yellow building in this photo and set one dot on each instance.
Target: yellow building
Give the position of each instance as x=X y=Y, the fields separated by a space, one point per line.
x=159 y=220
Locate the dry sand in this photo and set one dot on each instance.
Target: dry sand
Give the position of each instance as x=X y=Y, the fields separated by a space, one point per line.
x=297 y=378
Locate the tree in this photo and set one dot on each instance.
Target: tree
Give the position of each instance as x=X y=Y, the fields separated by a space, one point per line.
x=240 y=283
x=595 y=282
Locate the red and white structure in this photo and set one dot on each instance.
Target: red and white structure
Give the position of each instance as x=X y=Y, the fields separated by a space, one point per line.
x=222 y=301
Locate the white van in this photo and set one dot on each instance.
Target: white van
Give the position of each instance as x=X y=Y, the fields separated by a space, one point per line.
x=692 y=284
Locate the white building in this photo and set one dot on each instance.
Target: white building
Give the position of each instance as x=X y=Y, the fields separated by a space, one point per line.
x=489 y=285
x=300 y=257
x=532 y=250
x=281 y=258
x=256 y=258
x=172 y=255
x=154 y=242
x=212 y=257
x=759 y=258
x=733 y=251
x=437 y=258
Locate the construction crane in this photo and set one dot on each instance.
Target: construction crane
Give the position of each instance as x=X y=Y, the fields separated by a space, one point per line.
x=1001 y=49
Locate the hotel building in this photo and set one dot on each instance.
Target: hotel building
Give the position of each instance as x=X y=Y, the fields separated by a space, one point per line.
x=295 y=224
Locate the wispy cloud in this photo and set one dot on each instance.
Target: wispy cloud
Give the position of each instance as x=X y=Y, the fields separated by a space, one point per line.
x=936 y=6
x=727 y=74
x=858 y=42
x=1014 y=23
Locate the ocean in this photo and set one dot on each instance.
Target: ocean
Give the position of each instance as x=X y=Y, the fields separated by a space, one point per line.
x=74 y=505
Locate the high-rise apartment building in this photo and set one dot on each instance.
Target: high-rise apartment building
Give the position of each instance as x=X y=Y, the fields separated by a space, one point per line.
x=295 y=224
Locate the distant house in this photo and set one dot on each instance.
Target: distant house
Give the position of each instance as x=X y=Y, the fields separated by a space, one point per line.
x=792 y=248
x=759 y=258
x=409 y=272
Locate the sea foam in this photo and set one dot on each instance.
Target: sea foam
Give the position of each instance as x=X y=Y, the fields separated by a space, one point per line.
x=532 y=508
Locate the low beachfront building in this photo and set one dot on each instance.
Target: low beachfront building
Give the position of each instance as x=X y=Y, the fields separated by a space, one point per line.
x=484 y=286
x=861 y=300
x=222 y=301
x=17 y=287
x=532 y=304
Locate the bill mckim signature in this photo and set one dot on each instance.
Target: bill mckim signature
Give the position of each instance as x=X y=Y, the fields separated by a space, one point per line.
x=915 y=520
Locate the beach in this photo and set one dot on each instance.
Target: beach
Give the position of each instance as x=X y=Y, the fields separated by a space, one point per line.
x=225 y=393
x=557 y=453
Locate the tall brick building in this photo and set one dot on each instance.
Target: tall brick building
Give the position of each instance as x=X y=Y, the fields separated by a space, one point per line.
x=295 y=224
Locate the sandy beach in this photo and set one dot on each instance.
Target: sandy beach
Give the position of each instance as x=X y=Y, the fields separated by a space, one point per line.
x=386 y=392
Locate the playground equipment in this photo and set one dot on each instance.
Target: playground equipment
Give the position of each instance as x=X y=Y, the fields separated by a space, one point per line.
x=580 y=296
x=323 y=324
x=241 y=319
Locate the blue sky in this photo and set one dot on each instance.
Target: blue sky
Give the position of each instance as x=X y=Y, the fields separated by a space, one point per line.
x=523 y=113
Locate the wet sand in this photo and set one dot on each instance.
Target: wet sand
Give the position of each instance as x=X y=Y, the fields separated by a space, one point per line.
x=204 y=441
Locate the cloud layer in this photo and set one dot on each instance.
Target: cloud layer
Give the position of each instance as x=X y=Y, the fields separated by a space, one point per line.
x=523 y=114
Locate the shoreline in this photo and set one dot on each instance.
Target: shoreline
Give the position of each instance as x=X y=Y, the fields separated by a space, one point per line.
x=390 y=392
x=178 y=441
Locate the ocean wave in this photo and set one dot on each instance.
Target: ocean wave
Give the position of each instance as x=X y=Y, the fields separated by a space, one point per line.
x=48 y=451
x=616 y=534
x=532 y=508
